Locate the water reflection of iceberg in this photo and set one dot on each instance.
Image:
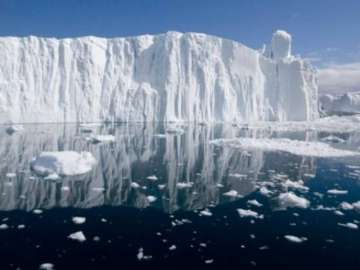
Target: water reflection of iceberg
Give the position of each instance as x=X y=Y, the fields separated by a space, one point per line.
x=136 y=154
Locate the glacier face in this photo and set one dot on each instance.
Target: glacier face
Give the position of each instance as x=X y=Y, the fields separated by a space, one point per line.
x=167 y=77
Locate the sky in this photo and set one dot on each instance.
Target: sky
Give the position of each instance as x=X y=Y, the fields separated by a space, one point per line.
x=326 y=32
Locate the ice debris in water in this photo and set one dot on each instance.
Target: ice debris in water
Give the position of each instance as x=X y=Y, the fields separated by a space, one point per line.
x=78 y=236
x=11 y=175
x=349 y=225
x=141 y=256
x=337 y=192
x=78 y=220
x=152 y=178
x=182 y=185
x=205 y=212
x=174 y=130
x=290 y=199
x=135 y=185
x=295 y=185
x=46 y=266
x=101 y=138
x=254 y=203
x=296 y=147
x=151 y=198
x=249 y=213
x=231 y=193
x=295 y=239
x=63 y=163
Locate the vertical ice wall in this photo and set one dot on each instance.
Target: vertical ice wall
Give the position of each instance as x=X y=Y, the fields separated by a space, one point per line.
x=168 y=77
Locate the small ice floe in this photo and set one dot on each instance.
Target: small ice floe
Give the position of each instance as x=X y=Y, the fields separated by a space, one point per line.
x=337 y=192
x=47 y=266
x=152 y=178
x=98 y=189
x=37 y=211
x=249 y=213
x=290 y=199
x=77 y=236
x=237 y=175
x=134 y=185
x=162 y=186
x=4 y=226
x=174 y=130
x=346 y=206
x=356 y=205
x=141 y=256
x=338 y=213
x=11 y=175
x=65 y=188
x=182 y=185
x=14 y=128
x=101 y=138
x=209 y=261
x=349 y=225
x=173 y=247
x=265 y=191
x=52 y=176
x=21 y=226
x=299 y=185
x=231 y=193
x=160 y=136
x=151 y=198
x=78 y=220
x=333 y=139
x=254 y=203
x=205 y=212
x=295 y=239
x=63 y=163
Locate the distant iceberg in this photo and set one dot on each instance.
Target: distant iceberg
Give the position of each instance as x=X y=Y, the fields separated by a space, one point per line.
x=168 y=77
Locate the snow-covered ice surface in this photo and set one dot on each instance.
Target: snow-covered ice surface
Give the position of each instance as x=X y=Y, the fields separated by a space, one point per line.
x=166 y=77
x=63 y=163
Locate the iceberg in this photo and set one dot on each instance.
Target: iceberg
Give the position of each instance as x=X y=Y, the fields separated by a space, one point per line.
x=344 y=104
x=170 y=77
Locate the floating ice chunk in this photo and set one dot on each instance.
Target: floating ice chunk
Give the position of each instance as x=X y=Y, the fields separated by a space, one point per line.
x=295 y=185
x=160 y=136
x=346 y=206
x=152 y=178
x=141 y=256
x=349 y=225
x=79 y=220
x=52 y=176
x=333 y=139
x=173 y=247
x=338 y=212
x=237 y=175
x=249 y=213
x=337 y=192
x=47 y=266
x=174 y=130
x=63 y=163
x=295 y=239
x=151 y=198
x=101 y=138
x=4 y=226
x=205 y=212
x=37 y=211
x=265 y=191
x=11 y=175
x=134 y=185
x=296 y=147
x=98 y=189
x=14 y=128
x=78 y=236
x=356 y=205
x=231 y=193
x=254 y=203
x=289 y=199
x=182 y=185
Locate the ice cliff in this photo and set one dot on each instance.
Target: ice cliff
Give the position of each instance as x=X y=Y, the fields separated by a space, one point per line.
x=167 y=77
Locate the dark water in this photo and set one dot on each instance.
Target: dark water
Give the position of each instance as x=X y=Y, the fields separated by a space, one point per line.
x=173 y=231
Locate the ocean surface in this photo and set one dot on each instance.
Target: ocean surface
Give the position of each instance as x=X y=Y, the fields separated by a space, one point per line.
x=169 y=198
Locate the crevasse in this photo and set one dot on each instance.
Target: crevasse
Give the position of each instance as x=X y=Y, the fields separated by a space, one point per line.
x=167 y=77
